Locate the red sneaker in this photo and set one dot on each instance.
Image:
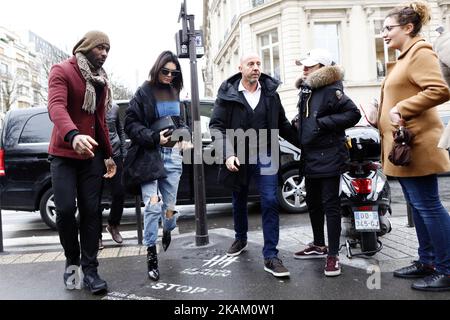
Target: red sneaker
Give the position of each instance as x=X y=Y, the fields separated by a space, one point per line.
x=332 y=267
x=311 y=252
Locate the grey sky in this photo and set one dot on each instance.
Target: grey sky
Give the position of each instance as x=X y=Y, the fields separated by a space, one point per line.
x=138 y=29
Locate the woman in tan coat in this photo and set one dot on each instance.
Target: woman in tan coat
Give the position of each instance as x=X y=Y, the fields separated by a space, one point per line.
x=412 y=90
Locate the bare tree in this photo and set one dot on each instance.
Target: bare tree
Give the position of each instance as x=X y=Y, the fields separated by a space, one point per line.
x=47 y=62
x=120 y=91
x=8 y=94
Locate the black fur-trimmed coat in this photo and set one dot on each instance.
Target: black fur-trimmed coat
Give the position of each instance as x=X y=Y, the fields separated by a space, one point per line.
x=324 y=114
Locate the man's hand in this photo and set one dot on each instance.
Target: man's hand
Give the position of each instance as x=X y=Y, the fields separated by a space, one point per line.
x=84 y=145
x=233 y=164
x=395 y=115
x=162 y=139
x=110 y=168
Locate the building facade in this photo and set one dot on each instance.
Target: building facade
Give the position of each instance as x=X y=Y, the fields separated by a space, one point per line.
x=282 y=31
x=25 y=62
x=18 y=72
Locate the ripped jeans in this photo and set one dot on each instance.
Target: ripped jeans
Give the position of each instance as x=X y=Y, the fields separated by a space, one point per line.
x=165 y=190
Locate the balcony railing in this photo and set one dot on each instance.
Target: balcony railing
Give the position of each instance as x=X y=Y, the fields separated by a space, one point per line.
x=256 y=3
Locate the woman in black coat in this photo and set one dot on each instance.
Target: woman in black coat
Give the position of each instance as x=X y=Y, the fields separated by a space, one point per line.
x=324 y=114
x=154 y=162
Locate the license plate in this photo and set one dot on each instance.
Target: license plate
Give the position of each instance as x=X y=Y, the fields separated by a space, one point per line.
x=367 y=221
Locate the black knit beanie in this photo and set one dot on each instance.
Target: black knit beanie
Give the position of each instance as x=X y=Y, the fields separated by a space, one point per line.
x=90 y=41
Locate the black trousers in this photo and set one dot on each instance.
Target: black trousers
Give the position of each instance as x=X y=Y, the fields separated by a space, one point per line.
x=78 y=180
x=322 y=198
x=117 y=196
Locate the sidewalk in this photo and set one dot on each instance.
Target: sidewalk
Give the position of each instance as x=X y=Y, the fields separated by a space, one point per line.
x=206 y=273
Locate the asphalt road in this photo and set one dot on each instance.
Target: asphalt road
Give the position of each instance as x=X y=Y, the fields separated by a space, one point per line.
x=29 y=224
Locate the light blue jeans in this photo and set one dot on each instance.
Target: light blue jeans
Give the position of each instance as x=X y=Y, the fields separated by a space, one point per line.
x=166 y=189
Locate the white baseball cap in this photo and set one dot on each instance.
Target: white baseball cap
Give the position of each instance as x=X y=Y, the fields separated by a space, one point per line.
x=317 y=56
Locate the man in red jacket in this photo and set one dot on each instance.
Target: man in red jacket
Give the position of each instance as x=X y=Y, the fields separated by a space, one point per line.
x=78 y=97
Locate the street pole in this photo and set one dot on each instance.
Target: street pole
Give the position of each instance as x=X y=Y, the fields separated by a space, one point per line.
x=201 y=237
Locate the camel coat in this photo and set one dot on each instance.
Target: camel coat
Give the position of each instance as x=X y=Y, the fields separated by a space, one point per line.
x=414 y=84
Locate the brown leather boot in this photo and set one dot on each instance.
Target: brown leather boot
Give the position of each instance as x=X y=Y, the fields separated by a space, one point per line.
x=115 y=234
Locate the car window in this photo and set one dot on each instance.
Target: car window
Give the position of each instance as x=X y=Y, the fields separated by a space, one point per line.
x=206 y=110
x=37 y=129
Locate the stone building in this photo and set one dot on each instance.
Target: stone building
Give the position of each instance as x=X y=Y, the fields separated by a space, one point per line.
x=282 y=31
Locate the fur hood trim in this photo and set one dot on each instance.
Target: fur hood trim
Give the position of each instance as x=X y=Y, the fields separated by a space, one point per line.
x=322 y=77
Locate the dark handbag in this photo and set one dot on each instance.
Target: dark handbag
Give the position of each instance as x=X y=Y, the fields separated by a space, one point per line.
x=164 y=123
x=400 y=154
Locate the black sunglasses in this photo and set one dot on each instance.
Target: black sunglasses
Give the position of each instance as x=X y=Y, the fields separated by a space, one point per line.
x=173 y=73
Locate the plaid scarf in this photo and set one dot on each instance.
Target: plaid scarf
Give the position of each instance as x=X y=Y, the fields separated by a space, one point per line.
x=90 y=96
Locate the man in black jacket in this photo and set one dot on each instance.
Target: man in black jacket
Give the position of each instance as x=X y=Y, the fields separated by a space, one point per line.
x=117 y=139
x=324 y=114
x=249 y=101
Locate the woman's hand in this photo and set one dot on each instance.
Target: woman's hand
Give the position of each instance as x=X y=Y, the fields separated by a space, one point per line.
x=395 y=116
x=184 y=145
x=371 y=113
x=164 y=137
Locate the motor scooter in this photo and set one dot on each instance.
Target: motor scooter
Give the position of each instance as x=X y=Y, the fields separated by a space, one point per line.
x=365 y=194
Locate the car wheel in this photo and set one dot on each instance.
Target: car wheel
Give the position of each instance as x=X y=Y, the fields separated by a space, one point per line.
x=292 y=192
x=47 y=209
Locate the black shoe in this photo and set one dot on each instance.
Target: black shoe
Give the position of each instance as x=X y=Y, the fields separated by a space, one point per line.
x=275 y=267
x=94 y=283
x=416 y=270
x=237 y=247
x=152 y=263
x=435 y=282
x=166 y=238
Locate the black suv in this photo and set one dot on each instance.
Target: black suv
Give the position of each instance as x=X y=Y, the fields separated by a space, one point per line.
x=25 y=172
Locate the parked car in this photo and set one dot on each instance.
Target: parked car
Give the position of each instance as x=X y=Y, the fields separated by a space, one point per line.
x=25 y=180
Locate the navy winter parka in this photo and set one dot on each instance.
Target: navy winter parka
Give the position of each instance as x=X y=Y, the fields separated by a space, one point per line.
x=324 y=114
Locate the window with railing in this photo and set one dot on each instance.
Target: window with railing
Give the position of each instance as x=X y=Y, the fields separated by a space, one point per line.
x=23 y=90
x=23 y=104
x=22 y=74
x=269 y=47
x=256 y=3
x=3 y=68
x=20 y=57
x=36 y=97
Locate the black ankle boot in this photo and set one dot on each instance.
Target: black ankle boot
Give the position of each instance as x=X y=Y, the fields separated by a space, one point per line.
x=166 y=238
x=152 y=263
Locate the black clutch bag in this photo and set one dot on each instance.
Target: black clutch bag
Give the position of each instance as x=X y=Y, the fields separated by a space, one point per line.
x=163 y=124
